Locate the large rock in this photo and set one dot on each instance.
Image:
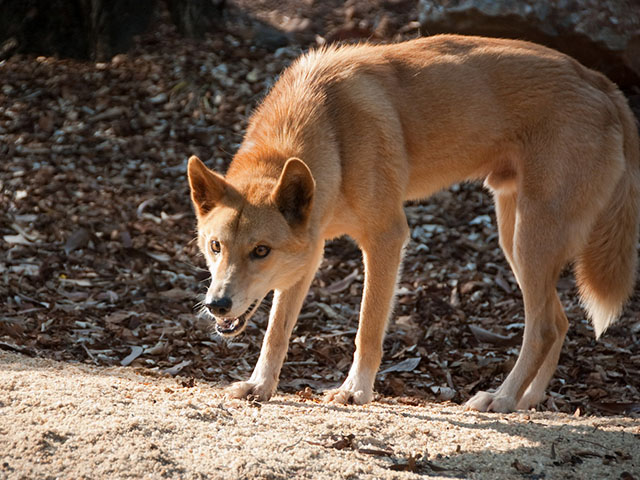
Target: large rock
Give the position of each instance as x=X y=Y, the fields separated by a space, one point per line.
x=602 y=34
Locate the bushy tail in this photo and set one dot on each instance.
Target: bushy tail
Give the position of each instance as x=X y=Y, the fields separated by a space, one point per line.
x=606 y=268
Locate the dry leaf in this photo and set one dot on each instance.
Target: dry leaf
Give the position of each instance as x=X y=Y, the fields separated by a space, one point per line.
x=485 y=336
x=78 y=239
x=407 y=365
x=136 y=351
x=521 y=467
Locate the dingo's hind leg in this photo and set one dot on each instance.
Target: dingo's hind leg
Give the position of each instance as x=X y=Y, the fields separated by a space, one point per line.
x=535 y=392
x=506 y=218
x=539 y=253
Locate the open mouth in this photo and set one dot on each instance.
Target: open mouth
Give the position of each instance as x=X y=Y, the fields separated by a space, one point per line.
x=230 y=327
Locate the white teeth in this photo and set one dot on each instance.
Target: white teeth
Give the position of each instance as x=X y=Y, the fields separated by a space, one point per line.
x=238 y=322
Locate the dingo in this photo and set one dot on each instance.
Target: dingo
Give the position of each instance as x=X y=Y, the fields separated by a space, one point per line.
x=349 y=133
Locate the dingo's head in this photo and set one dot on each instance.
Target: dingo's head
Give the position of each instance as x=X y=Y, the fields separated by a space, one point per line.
x=253 y=234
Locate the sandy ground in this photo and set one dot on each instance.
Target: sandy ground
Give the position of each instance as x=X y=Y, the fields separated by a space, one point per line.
x=61 y=420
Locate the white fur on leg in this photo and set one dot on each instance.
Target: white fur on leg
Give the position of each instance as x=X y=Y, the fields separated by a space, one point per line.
x=357 y=388
x=491 y=402
x=263 y=391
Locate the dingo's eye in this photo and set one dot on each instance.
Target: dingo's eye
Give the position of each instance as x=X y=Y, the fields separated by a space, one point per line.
x=215 y=246
x=260 y=251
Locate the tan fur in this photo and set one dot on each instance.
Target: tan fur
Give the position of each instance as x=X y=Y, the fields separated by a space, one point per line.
x=348 y=134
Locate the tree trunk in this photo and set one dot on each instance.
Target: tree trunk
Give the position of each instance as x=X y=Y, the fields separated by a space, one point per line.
x=55 y=27
x=194 y=18
x=111 y=24
x=93 y=29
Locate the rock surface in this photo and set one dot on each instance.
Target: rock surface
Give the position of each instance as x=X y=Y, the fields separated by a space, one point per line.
x=604 y=35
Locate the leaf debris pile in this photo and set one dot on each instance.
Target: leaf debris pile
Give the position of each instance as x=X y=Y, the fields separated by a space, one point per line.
x=98 y=262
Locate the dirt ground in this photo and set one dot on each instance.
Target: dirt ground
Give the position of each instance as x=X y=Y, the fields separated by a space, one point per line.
x=64 y=420
x=99 y=270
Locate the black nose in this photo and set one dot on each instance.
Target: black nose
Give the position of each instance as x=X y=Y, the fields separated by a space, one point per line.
x=220 y=306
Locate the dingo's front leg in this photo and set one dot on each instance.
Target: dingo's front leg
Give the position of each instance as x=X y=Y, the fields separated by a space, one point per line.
x=283 y=317
x=382 y=255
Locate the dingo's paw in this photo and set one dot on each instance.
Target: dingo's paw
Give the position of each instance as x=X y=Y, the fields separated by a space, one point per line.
x=260 y=391
x=491 y=402
x=530 y=400
x=343 y=396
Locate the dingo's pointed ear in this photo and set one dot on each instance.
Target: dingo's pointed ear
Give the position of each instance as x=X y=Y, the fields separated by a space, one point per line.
x=293 y=194
x=207 y=187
